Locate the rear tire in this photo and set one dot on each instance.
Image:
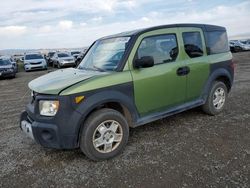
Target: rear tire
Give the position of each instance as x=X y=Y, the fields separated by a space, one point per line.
x=104 y=135
x=216 y=99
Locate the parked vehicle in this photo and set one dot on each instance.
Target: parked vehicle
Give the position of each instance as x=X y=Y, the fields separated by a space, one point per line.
x=49 y=58
x=239 y=45
x=127 y=80
x=6 y=68
x=63 y=59
x=75 y=54
x=80 y=57
x=34 y=61
x=18 y=57
x=245 y=45
x=14 y=63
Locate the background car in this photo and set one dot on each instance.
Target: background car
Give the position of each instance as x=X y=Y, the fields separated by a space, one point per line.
x=239 y=45
x=18 y=57
x=34 y=61
x=49 y=58
x=63 y=59
x=80 y=57
x=6 y=68
x=14 y=63
x=245 y=44
x=75 y=54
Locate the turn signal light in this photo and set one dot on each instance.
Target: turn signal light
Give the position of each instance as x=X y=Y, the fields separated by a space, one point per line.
x=79 y=99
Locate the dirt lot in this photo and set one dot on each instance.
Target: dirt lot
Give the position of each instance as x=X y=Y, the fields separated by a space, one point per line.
x=190 y=149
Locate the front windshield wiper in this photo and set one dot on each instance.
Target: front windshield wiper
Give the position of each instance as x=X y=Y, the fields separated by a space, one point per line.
x=95 y=68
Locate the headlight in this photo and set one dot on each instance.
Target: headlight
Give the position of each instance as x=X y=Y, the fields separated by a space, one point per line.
x=48 y=108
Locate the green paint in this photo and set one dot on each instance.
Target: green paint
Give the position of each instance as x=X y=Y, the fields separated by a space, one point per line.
x=100 y=81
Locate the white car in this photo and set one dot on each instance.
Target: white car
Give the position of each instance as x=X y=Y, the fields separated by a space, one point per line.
x=243 y=45
x=63 y=59
x=246 y=45
x=34 y=61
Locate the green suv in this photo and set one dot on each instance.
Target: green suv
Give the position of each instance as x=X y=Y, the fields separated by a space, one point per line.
x=127 y=80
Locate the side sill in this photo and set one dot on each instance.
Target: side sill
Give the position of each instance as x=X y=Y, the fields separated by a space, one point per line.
x=169 y=112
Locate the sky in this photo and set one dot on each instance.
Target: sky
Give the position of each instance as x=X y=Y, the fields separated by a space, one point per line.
x=37 y=24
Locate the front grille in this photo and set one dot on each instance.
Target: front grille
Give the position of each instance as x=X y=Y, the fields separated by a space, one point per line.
x=35 y=63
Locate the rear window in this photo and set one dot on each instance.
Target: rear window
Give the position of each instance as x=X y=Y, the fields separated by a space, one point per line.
x=217 y=42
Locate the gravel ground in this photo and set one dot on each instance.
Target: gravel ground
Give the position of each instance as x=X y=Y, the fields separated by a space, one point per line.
x=190 y=149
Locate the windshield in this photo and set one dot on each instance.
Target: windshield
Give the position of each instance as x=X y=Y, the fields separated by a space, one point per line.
x=33 y=56
x=63 y=55
x=4 y=62
x=105 y=55
x=74 y=53
x=50 y=54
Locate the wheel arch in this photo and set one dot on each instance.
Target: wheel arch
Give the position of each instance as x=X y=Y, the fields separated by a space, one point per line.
x=108 y=99
x=220 y=74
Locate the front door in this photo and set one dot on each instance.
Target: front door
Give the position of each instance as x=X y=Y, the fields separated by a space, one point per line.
x=164 y=85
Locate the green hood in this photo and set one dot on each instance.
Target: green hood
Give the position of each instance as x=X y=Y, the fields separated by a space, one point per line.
x=54 y=82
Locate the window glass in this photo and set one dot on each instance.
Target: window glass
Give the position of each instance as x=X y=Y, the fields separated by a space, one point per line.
x=63 y=55
x=217 y=42
x=33 y=56
x=105 y=54
x=162 y=48
x=193 y=44
x=4 y=62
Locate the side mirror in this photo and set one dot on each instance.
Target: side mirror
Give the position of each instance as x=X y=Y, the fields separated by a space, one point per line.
x=144 y=62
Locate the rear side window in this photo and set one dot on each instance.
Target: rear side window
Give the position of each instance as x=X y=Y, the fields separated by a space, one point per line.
x=193 y=44
x=217 y=42
x=163 y=48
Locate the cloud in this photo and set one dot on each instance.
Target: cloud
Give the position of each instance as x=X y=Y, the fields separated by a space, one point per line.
x=83 y=24
x=45 y=29
x=97 y=19
x=12 y=30
x=65 y=24
x=83 y=21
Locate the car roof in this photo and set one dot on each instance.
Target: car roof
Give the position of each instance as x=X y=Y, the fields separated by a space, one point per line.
x=205 y=27
x=4 y=58
x=62 y=52
x=35 y=53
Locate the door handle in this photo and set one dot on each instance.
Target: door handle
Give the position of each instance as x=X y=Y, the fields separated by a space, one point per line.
x=182 y=71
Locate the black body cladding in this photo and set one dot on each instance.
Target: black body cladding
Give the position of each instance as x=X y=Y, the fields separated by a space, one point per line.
x=62 y=130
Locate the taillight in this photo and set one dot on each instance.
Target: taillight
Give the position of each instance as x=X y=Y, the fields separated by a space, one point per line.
x=233 y=65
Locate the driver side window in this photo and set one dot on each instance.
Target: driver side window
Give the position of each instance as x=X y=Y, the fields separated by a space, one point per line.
x=163 y=48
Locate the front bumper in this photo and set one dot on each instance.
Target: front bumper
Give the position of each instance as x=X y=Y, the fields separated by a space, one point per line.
x=67 y=63
x=7 y=73
x=60 y=131
x=29 y=67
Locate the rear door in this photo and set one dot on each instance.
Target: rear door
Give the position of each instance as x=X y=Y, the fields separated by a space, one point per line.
x=159 y=87
x=196 y=60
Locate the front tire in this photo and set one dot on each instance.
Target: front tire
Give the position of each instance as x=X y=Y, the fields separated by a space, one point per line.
x=216 y=99
x=104 y=135
x=58 y=65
